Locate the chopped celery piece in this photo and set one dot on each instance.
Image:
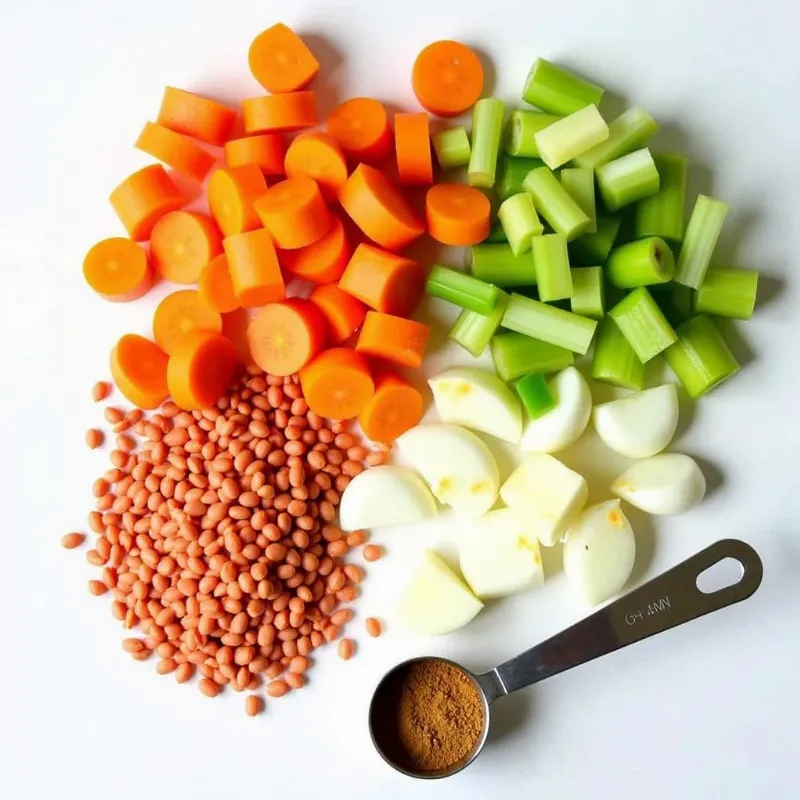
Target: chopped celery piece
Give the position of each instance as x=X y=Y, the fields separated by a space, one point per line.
x=497 y=264
x=700 y=358
x=593 y=248
x=497 y=234
x=728 y=293
x=515 y=355
x=588 y=292
x=473 y=331
x=662 y=213
x=535 y=394
x=675 y=301
x=641 y=263
x=569 y=137
x=557 y=90
x=642 y=324
x=452 y=148
x=628 y=179
x=512 y=173
x=487 y=128
x=700 y=240
x=579 y=184
x=550 y=324
x=614 y=360
x=627 y=132
x=520 y=222
x=551 y=262
x=462 y=290
x=521 y=129
x=553 y=202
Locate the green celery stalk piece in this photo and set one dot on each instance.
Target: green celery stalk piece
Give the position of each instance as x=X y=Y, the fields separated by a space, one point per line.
x=487 y=129
x=627 y=132
x=643 y=324
x=557 y=90
x=628 y=179
x=728 y=293
x=521 y=129
x=515 y=355
x=462 y=290
x=553 y=202
x=551 y=262
x=452 y=148
x=675 y=301
x=700 y=240
x=593 y=248
x=520 y=222
x=473 y=331
x=535 y=394
x=511 y=174
x=640 y=263
x=579 y=184
x=662 y=213
x=548 y=323
x=570 y=136
x=497 y=264
x=614 y=361
x=588 y=292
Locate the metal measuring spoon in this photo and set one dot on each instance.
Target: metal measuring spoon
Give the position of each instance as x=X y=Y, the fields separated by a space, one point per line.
x=665 y=602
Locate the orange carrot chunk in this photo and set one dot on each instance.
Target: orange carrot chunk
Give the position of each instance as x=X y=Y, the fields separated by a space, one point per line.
x=376 y=205
x=360 y=126
x=234 y=328
x=412 y=140
x=395 y=407
x=143 y=198
x=180 y=313
x=395 y=339
x=457 y=214
x=200 y=369
x=278 y=113
x=337 y=383
x=281 y=61
x=266 y=151
x=254 y=268
x=216 y=287
x=343 y=312
x=139 y=368
x=118 y=270
x=316 y=155
x=384 y=281
x=294 y=212
x=284 y=337
x=176 y=151
x=196 y=116
x=447 y=78
x=324 y=260
x=232 y=194
x=182 y=243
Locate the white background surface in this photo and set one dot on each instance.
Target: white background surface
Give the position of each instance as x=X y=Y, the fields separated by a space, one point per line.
x=709 y=710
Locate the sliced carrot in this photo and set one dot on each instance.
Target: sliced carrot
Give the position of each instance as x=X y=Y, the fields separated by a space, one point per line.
x=281 y=61
x=457 y=214
x=343 y=312
x=232 y=193
x=277 y=113
x=234 y=328
x=176 y=151
x=284 y=337
x=412 y=141
x=216 y=286
x=118 y=270
x=294 y=212
x=180 y=313
x=360 y=126
x=447 y=78
x=143 y=198
x=182 y=243
x=376 y=205
x=395 y=407
x=196 y=116
x=200 y=369
x=316 y=155
x=139 y=369
x=337 y=384
x=395 y=339
x=266 y=151
x=254 y=268
x=383 y=280
x=324 y=260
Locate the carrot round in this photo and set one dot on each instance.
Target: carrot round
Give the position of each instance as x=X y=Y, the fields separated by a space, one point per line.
x=281 y=61
x=412 y=141
x=395 y=407
x=337 y=383
x=278 y=113
x=447 y=78
x=294 y=213
x=266 y=151
x=376 y=205
x=383 y=280
x=343 y=312
x=232 y=193
x=182 y=243
x=395 y=339
x=176 y=151
x=139 y=369
x=200 y=369
x=324 y=260
x=360 y=126
x=196 y=116
x=234 y=328
x=317 y=156
x=143 y=198
x=180 y=313
x=254 y=268
x=457 y=214
x=118 y=270
x=216 y=287
x=284 y=337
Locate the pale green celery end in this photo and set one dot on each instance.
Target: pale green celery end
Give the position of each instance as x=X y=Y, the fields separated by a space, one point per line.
x=643 y=324
x=554 y=203
x=728 y=293
x=628 y=179
x=452 y=148
x=588 y=292
x=644 y=262
x=473 y=331
x=579 y=184
x=548 y=323
x=699 y=241
x=614 y=361
x=520 y=222
x=551 y=262
x=662 y=213
x=569 y=137
x=629 y=131
x=497 y=264
x=515 y=355
x=522 y=125
x=487 y=130
x=558 y=91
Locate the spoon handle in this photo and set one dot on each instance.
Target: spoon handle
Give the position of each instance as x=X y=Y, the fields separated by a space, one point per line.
x=665 y=602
